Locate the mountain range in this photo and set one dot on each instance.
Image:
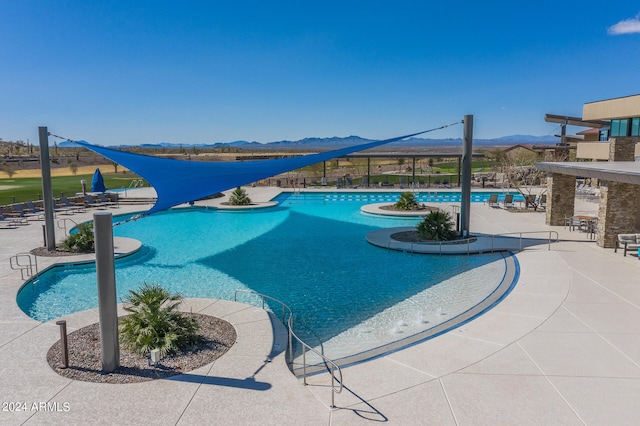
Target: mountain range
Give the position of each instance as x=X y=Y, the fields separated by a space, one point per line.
x=341 y=142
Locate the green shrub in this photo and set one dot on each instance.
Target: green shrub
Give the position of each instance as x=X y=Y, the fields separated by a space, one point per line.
x=239 y=197
x=80 y=241
x=437 y=225
x=407 y=201
x=155 y=322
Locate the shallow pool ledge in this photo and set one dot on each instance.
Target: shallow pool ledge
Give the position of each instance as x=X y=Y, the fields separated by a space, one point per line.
x=480 y=243
x=122 y=247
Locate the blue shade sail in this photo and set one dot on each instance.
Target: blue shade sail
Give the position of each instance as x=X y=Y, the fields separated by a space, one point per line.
x=97 y=182
x=179 y=181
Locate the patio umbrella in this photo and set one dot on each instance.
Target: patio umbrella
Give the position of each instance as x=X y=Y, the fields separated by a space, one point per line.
x=97 y=183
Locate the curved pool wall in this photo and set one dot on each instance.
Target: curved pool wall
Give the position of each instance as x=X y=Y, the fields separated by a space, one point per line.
x=309 y=252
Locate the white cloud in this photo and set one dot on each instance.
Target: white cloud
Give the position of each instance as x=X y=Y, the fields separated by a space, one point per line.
x=628 y=26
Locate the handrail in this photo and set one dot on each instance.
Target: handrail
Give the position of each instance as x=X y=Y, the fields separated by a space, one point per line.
x=64 y=223
x=14 y=263
x=520 y=235
x=136 y=183
x=331 y=365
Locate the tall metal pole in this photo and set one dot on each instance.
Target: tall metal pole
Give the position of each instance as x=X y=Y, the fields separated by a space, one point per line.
x=107 y=304
x=47 y=193
x=465 y=201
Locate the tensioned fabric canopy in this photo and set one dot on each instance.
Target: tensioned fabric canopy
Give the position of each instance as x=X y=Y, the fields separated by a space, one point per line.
x=179 y=181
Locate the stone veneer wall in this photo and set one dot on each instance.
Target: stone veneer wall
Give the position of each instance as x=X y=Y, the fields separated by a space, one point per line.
x=618 y=201
x=561 y=190
x=617 y=212
x=623 y=148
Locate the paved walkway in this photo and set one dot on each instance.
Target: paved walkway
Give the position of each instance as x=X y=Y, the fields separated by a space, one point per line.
x=563 y=348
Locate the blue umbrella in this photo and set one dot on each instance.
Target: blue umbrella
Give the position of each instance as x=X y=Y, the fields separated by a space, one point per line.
x=97 y=183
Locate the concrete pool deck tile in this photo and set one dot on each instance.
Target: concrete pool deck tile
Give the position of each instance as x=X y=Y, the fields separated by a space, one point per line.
x=506 y=400
x=156 y=402
x=426 y=357
x=428 y=404
x=226 y=309
x=499 y=328
x=563 y=321
x=242 y=390
x=585 y=290
x=510 y=360
x=383 y=377
x=530 y=304
x=555 y=354
x=607 y=317
x=602 y=401
x=628 y=344
x=196 y=305
x=26 y=355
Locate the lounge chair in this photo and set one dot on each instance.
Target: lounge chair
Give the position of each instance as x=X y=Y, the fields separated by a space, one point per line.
x=508 y=201
x=6 y=223
x=31 y=208
x=27 y=212
x=17 y=212
x=66 y=206
x=493 y=200
x=628 y=241
x=106 y=201
x=89 y=201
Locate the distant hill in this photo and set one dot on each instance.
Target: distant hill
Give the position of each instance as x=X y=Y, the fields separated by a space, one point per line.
x=324 y=144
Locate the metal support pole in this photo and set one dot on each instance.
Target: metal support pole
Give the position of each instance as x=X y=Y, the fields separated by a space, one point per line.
x=368 y=171
x=413 y=170
x=64 y=343
x=465 y=201
x=107 y=304
x=50 y=240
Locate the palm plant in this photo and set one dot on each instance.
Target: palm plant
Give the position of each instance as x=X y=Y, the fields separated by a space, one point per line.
x=155 y=322
x=82 y=240
x=407 y=201
x=239 y=197
x=436 y=226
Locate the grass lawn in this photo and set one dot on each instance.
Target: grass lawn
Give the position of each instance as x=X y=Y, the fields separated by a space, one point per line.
x=30 y=189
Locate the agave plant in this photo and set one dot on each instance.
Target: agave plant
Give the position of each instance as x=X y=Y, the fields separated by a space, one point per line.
x=155 y=322
x=239 y=197
x=407 y=201
x=80 y=241
x=437 y=225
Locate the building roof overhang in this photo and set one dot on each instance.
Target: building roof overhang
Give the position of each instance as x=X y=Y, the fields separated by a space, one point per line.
x=574 y=121
x=616 y=171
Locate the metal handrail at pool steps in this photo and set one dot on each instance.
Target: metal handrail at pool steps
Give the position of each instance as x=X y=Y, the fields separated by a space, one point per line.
x=330 y=365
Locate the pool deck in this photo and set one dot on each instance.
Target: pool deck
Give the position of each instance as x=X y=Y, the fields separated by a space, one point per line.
x=562 y=348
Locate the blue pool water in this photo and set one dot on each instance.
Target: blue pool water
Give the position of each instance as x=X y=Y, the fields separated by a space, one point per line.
x=309 y=251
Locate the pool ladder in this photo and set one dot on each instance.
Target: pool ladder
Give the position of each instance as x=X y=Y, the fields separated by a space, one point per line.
x=26 y=263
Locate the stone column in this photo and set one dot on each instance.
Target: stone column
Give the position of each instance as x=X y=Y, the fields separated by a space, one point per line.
x=618 y=201
x=561 y=194
x=617 y=212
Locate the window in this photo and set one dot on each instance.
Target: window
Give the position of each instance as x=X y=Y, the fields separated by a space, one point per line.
x=635 y=126
x=620 y=127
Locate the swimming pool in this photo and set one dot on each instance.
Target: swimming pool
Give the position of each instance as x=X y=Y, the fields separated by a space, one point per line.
x=309 y=251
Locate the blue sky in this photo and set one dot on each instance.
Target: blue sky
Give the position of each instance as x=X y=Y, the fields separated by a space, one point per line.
x=199 y=72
